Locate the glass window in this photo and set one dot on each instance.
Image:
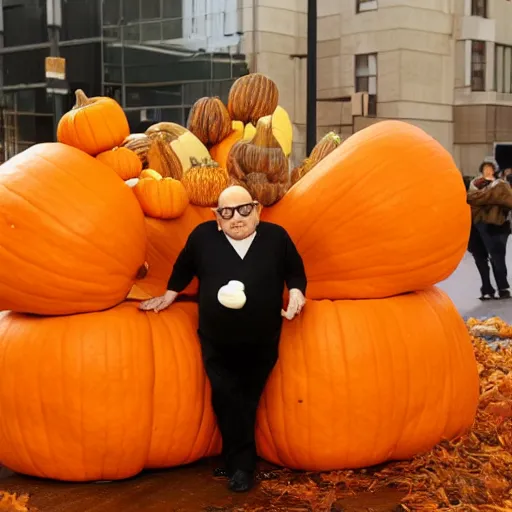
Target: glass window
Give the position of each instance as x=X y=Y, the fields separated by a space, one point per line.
x=503 y=69
x=25 y=67
x=111 y=12
x=131 y=10
x=154 y=96
x=172 y=29
x=478 y=65
x=479 y=8
x=74 y=12
x=83 y=67
x=151 y=32
x=366 y=5
x=150 y=9
x=366 y=79
x=172 y=8
x=25 y=23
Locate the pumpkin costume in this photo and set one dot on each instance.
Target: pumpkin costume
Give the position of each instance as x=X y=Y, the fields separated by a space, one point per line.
x=239 y=347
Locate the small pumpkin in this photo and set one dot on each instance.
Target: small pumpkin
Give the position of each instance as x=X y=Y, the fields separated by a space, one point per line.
x=93 y=125
x=251 y=97
x=150 y=173
x=362 y=382
x=220 y=151
x=161 y=198
x=172 y=148
x=209 y=120
x=260 y=165
x=327 y=144
x=72 y=234
x=123 y=161
x=101 y=396
x=282 y=130
x=204 y=182
x=139 y=143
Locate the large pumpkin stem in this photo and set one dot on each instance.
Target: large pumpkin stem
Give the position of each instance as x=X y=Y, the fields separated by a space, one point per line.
x=264 y=137
x=82 y=100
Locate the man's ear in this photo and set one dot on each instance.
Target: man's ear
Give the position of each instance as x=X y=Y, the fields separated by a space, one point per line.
x=216 y=215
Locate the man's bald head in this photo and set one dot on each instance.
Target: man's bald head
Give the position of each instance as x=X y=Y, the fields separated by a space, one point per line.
x=234 y=196
x=237 y=201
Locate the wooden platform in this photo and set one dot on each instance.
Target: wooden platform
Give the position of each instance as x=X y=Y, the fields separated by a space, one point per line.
x=190 y=489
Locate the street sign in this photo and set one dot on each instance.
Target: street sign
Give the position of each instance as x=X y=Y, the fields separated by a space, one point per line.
x=55 y=71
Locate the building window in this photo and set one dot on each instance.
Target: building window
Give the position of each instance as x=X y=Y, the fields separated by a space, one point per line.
x=366 y=5
x=479 y=8
x=478 y=66
x=366 y=79
x=503 y=69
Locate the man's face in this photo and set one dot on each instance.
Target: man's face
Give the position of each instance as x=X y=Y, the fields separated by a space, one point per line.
x=237 y=214
x=488 y=171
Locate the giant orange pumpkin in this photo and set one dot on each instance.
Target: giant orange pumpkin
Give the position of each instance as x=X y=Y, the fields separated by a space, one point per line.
x=361 y=382
x=93 y=125
x=72 y=233
x=371 y=220
x=103 y=395
x=372 y=387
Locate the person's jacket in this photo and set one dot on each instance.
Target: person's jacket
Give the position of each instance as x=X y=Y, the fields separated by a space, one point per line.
x=490 y=201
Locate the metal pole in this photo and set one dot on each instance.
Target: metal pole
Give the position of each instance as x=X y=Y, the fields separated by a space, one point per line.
x=54 y=22
x=311 y=77
x=102 y=49
x=123 y=71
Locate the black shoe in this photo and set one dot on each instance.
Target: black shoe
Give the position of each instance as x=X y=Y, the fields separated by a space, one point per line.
x=221 y=473
x=504 y=294
x=241 y=481
x=487 y=296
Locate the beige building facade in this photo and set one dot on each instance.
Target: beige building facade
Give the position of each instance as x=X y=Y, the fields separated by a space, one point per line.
x=443 y=65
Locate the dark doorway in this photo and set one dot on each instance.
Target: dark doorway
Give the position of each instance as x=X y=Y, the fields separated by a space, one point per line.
x=503 y=155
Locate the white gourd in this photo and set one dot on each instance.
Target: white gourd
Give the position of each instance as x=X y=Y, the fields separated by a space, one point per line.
x=232 y=295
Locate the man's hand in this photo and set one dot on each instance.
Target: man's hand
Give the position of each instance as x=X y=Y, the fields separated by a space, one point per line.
x=158 y=303
x=296 y=303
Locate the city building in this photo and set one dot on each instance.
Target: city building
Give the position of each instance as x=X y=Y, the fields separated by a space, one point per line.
x=444 y=65
x=155 y=57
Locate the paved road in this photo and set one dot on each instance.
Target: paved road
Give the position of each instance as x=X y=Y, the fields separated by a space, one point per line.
x=463 y=286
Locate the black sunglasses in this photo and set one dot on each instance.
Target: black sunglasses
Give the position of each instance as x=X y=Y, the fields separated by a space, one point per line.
x=244 y=210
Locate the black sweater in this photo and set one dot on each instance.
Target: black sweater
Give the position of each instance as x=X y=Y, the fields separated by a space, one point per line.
x=272 y=261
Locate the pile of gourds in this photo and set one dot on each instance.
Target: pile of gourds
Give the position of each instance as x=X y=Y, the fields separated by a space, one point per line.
x=379 y=365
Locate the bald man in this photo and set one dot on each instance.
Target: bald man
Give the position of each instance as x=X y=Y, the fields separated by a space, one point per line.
x=239 y=324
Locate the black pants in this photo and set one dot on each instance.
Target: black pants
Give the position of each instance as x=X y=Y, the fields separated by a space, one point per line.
x=238 y=374
x=488 y=243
